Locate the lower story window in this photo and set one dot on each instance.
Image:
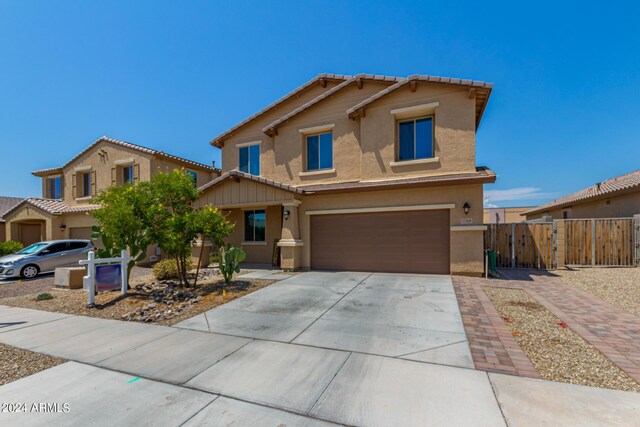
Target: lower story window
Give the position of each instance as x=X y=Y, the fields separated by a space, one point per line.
x=255 y=225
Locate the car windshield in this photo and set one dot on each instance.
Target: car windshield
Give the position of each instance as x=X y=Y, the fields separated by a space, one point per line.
x=32 y=249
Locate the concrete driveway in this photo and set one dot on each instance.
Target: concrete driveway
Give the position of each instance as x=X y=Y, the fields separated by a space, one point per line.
x=397 y=315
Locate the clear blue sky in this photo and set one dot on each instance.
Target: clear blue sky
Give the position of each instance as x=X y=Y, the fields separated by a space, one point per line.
x=171 y=75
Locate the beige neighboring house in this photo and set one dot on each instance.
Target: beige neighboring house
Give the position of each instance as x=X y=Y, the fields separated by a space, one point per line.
x=6 y=204
x=64 y=210
x=363 y=173
x=614 y=198
x=508 y=215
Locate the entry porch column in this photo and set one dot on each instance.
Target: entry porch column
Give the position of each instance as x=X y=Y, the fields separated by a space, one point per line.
x=290 y=243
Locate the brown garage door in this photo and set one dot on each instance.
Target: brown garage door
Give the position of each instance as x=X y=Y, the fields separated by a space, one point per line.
x=82 y=233
x=409 y=242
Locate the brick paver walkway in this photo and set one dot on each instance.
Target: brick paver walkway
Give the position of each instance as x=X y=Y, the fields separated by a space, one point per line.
x=614 y=332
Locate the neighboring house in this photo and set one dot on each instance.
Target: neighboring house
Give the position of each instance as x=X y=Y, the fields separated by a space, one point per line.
x=614 y=198
x=64 y=209
x=505 y=215
x=366 y=172
x=6 y=203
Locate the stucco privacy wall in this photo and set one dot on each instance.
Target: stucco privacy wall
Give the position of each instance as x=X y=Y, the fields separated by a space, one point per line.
x=621 y=206
x=454 y=124
x=466 y=246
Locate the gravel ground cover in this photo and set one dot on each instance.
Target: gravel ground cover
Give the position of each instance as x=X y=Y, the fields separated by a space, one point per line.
x=617 y=286
x=149 y=301
x=558 y=353
x=16 y=363
x=44 y=283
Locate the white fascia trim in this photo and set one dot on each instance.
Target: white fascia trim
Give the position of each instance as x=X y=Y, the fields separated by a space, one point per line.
x=382 y=209
x=316 y=129
x=82 y=168
x=415 y=110
x=254 y=243
x=468 y=227
x=290 y=242
x=318 y=172
x=124 y=162
x=248 y=144
x=415 y=162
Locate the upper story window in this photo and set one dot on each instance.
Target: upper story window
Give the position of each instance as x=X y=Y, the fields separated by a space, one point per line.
x=127 y=175
x=415 y=139
x=255 y=226
x=250 y=159
x=54 y=188
x=194 y=176
x=320 y=151
x=83 y=182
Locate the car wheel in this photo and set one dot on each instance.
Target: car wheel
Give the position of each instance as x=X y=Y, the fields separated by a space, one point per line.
x=29 y=271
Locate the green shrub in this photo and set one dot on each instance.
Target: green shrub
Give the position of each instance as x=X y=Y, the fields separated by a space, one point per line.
x=168 y=269
x=44 y=296
x=10 y=247
x=232 y=257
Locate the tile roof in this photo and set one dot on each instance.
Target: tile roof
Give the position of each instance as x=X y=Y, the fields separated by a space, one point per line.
x=54 y=206
x=267 y=129
x=130 y=146
x=317 y=79
x=237 y=174
x=610 y=186
x=483 y=99
x=8 y=203
x=482 y=175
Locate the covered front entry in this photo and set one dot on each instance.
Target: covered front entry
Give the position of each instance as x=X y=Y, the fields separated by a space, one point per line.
x=404 y=241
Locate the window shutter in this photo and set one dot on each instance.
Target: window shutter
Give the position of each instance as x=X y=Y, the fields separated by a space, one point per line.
x=93 y=183
x=136 y=174
x=61 y=187
x=74 y=186
x=113 y=176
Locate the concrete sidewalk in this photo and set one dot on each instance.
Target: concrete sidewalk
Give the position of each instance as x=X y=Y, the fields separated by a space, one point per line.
x=126 y=373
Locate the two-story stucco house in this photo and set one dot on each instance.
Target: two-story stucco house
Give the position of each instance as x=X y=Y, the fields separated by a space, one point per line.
x=63 y=210
x=365 y=172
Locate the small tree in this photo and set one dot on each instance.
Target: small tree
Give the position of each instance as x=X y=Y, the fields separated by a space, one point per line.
x=212 y=225
x=123 y=222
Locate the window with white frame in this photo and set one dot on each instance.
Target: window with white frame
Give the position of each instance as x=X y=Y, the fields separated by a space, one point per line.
x=319 y=151
x=250 y=159
x=415 y=139
x=255 y=225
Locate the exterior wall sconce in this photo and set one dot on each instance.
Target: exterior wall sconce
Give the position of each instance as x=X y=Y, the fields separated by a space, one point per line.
x=63 y=227
x=287 y=212
x=466 y=207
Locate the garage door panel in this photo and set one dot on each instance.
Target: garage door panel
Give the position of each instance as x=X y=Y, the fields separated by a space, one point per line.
x=412 y=242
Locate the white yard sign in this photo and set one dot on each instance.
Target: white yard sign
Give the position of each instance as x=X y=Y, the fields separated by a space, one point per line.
x=105 y=279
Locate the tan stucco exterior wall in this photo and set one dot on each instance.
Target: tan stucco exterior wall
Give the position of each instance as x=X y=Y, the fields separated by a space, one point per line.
x=621 y=206
x=364 y=148
x=505 y=215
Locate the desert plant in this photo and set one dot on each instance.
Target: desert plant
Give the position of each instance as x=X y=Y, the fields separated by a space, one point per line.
x=231 y=258
x=168 y=269
x=10 y=247
x=44 y=296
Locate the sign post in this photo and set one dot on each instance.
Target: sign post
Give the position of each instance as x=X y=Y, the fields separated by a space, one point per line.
x=105 y=274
